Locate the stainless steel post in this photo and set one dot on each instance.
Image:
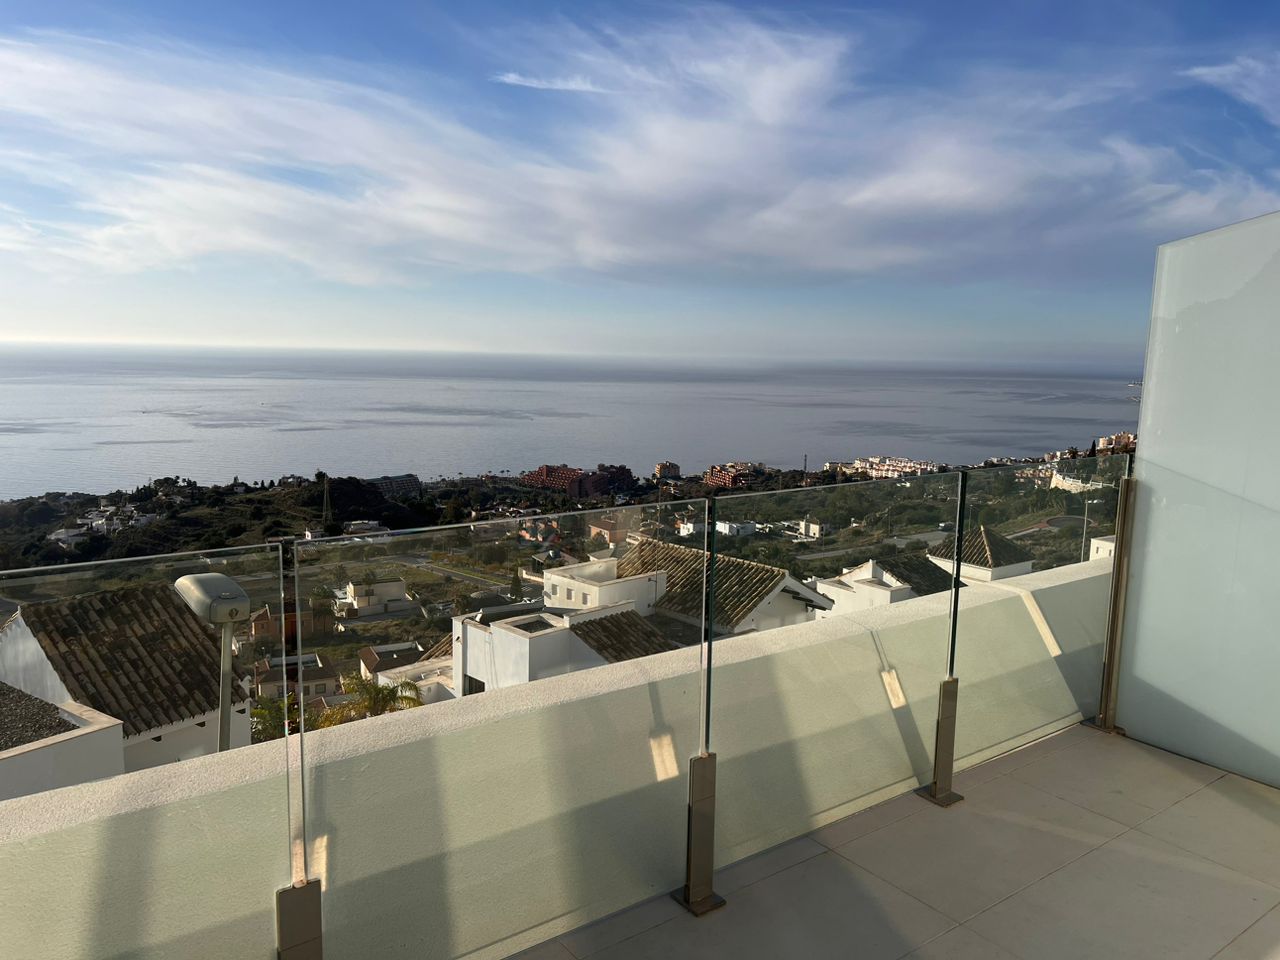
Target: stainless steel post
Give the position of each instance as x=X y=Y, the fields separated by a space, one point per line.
x=697 y=895
x=224 y=690
x=298 y=922
x=1109 y=693
x=944 y=743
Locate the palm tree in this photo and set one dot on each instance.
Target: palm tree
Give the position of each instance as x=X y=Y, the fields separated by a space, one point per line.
x=369 y=699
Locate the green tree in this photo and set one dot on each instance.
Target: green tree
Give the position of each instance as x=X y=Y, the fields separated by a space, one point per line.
x=517 y=585
x=369 y=699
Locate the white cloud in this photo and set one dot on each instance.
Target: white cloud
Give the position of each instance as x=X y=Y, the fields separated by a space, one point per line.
x=573 y=84
x=1248 y=79
x=728 y=147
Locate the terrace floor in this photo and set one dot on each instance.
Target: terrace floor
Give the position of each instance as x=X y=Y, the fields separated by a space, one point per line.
x=1081 y=845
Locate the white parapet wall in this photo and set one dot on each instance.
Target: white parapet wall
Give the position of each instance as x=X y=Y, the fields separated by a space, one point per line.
x=480 y=827
x=92 y=751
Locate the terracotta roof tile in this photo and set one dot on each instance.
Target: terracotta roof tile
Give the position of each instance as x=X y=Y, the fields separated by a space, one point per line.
x=740 y=585
x=982 y=548
x=622 y=636
x=137 y=654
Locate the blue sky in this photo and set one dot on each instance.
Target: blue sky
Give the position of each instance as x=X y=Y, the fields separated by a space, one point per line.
x=925 y=181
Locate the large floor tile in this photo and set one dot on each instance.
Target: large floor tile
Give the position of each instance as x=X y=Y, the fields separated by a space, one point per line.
x=753 y=869
x=595 y=937
x=1233 y=821
x=823 y=907
x=1259 y=942
x=1135 y=898
x=551 y=950
x=1117 y=777
x=960 y=943
x=962 y=859
x=1036 y=750
x=869 y=821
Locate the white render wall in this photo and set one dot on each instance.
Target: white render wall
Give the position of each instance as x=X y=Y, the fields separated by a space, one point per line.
x=183 y=741
x=481 y=827
x=93 y=750
x=23 y=664
x=1200 y=653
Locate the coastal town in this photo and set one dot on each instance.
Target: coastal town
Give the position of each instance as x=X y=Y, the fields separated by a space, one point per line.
x=404 y=594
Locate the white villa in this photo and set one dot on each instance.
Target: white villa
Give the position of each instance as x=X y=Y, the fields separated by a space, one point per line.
x=136 y=655
x=619 y=608
x=880 y=582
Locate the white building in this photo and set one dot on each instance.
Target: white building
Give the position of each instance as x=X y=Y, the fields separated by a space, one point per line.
x=687 y=528
x=432 y=676
x=810 y=528
x=353 y=527
x=987 y=556
x=730 y=528
x=1100 y=547
x=880 y=582
x=494 y=648
x=382 y=595
x=388 y=656
x=137 y=655
x=44 y=746
x=597 y=583
x=750 y=595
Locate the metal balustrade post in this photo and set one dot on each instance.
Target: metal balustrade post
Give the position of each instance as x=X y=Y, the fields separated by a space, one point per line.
x=299 y=924
x=939 y=791
x=1108 y=695
x=697 y=895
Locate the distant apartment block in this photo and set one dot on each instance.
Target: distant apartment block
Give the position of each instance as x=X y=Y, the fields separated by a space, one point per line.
x=666 y=470
x=575 y=482
x=402 y=486
x=1117 y=443
x=732 y=474
x=883 y=468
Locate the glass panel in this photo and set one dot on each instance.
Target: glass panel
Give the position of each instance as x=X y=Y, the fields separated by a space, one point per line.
x=831 y=616
x=115 y=652
x=1038 y=542
x=514 y=702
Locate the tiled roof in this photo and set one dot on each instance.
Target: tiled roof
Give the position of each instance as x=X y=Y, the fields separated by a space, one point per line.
x=622 y=636
x=740 y=585
x=982 y=548
x=442 y=649
x=918 y=572
x=137 y=654
x=376 y=660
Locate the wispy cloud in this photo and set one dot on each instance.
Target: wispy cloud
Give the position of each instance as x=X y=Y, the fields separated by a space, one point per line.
x=573 y=84
x=734 y=147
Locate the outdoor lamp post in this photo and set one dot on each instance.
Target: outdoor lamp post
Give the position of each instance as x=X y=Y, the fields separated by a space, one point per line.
x=218 y=600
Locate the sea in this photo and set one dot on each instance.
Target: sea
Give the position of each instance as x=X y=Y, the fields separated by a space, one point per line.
x=97 y=419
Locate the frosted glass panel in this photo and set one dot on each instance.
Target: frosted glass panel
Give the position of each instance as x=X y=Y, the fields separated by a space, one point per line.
x=1200 y=655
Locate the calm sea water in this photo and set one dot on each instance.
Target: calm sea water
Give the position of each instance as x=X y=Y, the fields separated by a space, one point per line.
x=94 y=420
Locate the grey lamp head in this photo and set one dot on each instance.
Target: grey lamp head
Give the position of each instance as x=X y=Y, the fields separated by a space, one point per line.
x=214 y=597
